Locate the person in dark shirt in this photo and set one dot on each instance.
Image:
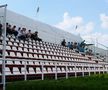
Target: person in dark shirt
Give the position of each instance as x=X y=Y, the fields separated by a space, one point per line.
x=14 y=31
x=8 y=29
x=1 y=29
x=63 y=43
x=34 y=36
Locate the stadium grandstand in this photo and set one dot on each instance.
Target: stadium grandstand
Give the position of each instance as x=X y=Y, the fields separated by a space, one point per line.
x=29 y=59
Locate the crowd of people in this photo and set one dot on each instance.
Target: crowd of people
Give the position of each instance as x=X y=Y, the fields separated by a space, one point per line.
x=78 y=47
x=24 y=34
x=20 y=33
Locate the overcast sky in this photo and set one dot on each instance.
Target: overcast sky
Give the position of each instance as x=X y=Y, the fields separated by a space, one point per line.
x=90 y=16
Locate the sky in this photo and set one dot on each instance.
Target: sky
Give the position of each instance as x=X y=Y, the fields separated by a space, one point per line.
x=87 y=18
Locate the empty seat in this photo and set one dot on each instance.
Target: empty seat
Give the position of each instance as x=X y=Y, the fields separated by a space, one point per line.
x=30 y=55
x=16 y=71
x=25 y=55
x=7 y=71
x=49 y=70
x=25 y=49
x=38 y=70
x=19 y=54
x=9 y=62
x=20 y=49
x=31 y=70
x=14 y=48
x=8 y=47
x=18 y=62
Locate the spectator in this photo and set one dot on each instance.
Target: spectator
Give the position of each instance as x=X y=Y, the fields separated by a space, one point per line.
x=1 y=29
x=75 y=45
x=63 y=43
x=14 y=31
x=8 y=29
x=29 y=34
x=22 y=35
x=34 y=36
x=69 y=45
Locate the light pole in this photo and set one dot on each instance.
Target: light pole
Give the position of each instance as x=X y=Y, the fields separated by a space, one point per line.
x=4 y=45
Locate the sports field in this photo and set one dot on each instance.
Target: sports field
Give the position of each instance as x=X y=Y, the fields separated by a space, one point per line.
x=95 y=82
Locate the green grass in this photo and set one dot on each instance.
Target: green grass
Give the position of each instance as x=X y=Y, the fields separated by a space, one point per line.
x=95 y=82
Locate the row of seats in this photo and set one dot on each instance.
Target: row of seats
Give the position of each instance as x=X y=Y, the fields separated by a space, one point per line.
x=36 y=70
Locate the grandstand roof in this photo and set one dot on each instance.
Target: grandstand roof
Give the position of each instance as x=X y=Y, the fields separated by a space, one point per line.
x=46 y=32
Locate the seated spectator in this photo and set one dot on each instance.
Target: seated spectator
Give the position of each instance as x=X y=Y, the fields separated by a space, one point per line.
x=8 y=29
x=14 y=31
x=1 y=29
x=29 y=34
x=75 y=45
x=34 y=36
x=63 y=43
x=21 y=34
x=69 y=45
x=80 y=47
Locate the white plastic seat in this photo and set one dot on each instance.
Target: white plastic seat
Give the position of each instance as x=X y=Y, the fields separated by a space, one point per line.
x=38 y=70
x=45 y=57
x=1 y=46
x=31 y=70
x=20 y=44
x=25 y=45
x=25 y=49
x=30 y=55
x=63 y=70
x=17 y=62
x=23 y=71
x=10 y=43
x=31 y=63
x=12 y=54
x=58 y=70
x=49 y=70
x=30 y=50
x=9 y=62
x=35 y=56
x=40 y=57
x=30 y=46
x=14 y=48
x=49 y=57
x=8 y=47
x=19 y=54
x=16 y=71
x=37 y=63
x=7 y=71
x=44 y=70
x=15 y=44
x=25 y=55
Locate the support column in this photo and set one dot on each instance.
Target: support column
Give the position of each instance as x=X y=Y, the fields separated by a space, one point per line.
x=4 y=46
x=66 y=72
x=25 y=70
x=83 y=71
x=42 y=68
x=55 y=71
x=75 y=71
